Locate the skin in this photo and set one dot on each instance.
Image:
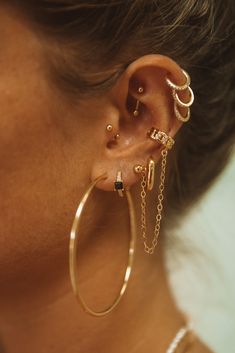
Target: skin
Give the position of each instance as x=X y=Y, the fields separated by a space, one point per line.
x=49 y=152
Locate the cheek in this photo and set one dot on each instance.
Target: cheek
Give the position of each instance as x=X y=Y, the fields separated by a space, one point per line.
x=38 y=191
x=41 y=179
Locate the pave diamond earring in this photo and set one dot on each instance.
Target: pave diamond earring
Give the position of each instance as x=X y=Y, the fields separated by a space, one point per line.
x=177 y=101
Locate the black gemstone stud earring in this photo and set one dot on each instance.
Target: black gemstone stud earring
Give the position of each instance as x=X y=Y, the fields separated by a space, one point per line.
x=118 y=184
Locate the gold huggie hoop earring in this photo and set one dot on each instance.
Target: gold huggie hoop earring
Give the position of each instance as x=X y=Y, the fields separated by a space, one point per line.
x=178 y=87
x=177 y=100
x=136 y=111
x=73 y=250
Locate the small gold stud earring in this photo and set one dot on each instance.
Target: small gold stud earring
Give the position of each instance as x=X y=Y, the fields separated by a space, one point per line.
x=138 y=169
x=109 y=127
x=136 y=111
x=117 y=137
x=148 y=173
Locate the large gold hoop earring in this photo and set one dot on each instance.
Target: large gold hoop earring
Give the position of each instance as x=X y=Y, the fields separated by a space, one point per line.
x=73 y=250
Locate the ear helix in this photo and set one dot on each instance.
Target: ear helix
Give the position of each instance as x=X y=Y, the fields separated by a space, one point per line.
x=177 y=101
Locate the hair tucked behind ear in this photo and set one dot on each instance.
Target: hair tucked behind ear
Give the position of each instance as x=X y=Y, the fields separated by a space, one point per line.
x=105 y=36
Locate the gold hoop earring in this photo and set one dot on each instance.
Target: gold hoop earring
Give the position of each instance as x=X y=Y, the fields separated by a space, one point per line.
x=177 y=100
x=73 y=250
x=178 y=87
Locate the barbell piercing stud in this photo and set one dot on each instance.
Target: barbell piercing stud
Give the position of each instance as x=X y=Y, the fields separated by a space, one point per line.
x=136 y=111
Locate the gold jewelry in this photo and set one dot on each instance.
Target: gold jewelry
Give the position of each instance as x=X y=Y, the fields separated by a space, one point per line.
x=73 y=250
x=180 y=116
x=138 y=169
x=161 y=137
x=178 y=87
x=140 y=89
x=136 y=111
x=118 y=184
x=147 y=248
x=117 y=137
x=182 y=104
x=177 y=100
x=109 y=127
x=184 y=332
x=147 y=184
x=150 y=174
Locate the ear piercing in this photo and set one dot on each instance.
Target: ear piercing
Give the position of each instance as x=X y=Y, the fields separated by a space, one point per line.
x=149 y=171
x=147 y=183
x=117 y=137
x=177 y=100
x=109 y=128
x=177 y=87
x=118 y=184
x=161 y=137
x=150 y=174
x=138 y=169
x=136 y=111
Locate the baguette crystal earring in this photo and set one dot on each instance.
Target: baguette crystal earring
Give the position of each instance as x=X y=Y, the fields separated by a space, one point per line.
x=118 y=184
x=177 y=100
x=136 y=111
x=147 y=182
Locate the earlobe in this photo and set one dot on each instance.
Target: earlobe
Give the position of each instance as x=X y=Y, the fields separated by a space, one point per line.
x=147 y=96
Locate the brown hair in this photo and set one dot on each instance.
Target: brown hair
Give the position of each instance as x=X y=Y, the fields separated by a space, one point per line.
x=106 y=35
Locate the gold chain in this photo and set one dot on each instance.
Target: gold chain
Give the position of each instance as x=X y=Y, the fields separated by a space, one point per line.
x=150 y=249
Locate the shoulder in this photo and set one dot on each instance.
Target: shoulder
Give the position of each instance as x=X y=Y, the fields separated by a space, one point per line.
x=199 y=347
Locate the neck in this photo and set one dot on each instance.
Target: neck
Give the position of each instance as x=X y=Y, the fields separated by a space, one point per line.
x=145 y=320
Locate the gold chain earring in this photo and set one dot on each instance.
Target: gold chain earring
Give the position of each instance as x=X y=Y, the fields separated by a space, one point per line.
x=147 y=183
x=75 y=232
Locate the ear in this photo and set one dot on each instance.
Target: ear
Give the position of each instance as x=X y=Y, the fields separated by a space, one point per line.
x=155 y=110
